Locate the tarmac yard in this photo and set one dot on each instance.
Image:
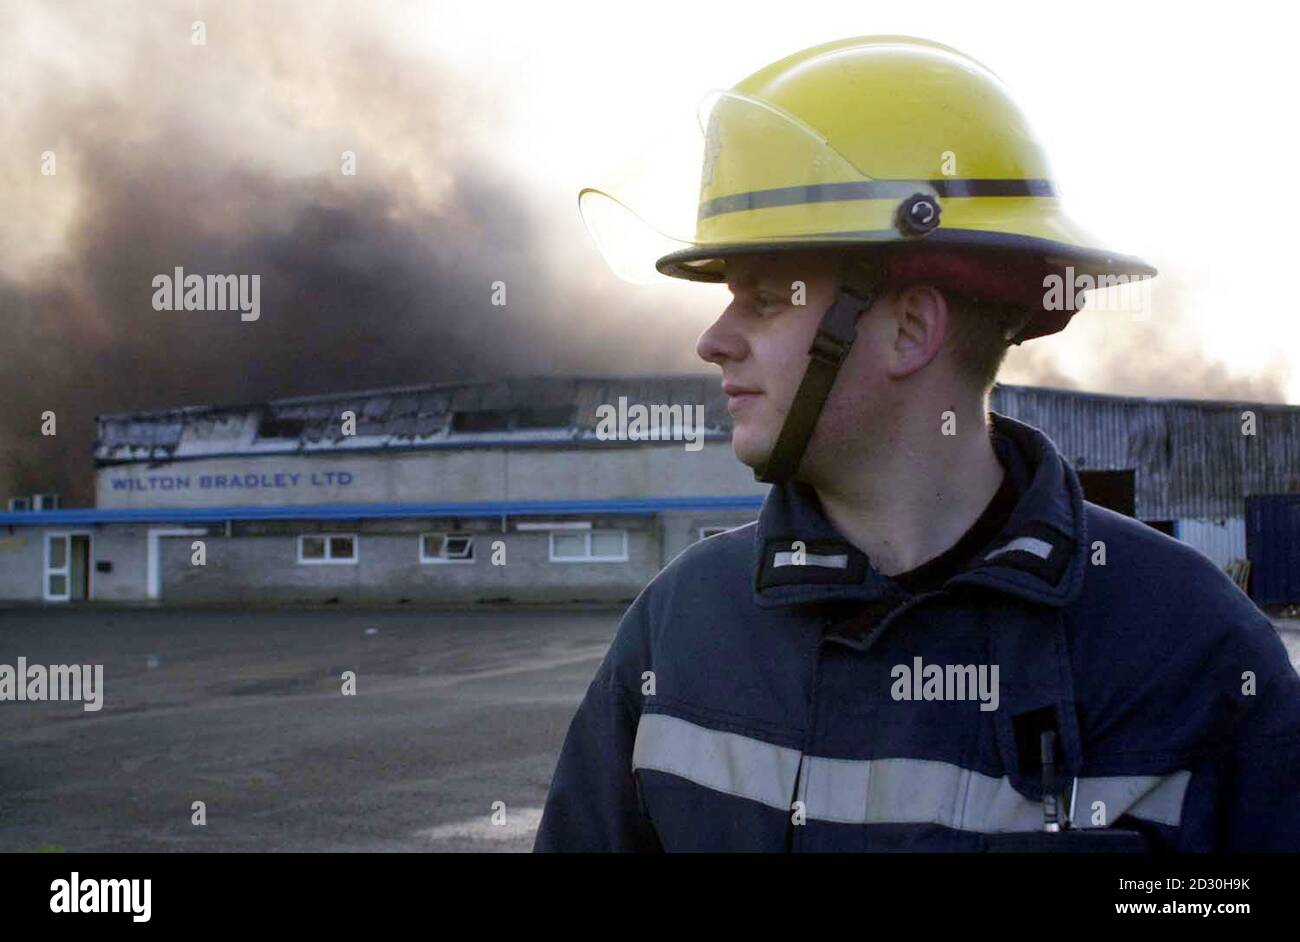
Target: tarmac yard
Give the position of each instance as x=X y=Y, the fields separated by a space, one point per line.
x=447 y=745
x=244 y=711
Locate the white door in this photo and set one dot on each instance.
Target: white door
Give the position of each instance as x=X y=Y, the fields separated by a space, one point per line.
x=68 y=575
x=58 y=558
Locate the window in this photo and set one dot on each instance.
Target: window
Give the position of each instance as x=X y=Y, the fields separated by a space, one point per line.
x=269 y=426
x=544 y=417
x=569 y=545
x=604 y=546
x=447 y=548
x=482 y=420
x=502 y=420
x=327 y=548
x=706 y=532
x=608 y=544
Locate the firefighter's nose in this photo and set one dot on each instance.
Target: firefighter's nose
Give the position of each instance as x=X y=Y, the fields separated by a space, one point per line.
x=721 y=341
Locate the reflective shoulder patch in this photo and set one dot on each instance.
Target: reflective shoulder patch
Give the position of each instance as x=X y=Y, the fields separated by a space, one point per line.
x=1026 y=544
x=816 y=561
x=839 y=561
x=1036 y=548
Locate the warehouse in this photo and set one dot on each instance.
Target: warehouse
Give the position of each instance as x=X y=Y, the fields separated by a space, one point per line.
x=514 y=491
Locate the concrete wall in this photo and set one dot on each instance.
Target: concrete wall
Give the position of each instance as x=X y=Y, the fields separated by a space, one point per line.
x=125 y=548
x=22 y=563
x=604 y=471
x=263 y=567
x=259 y=562
x=682 y=528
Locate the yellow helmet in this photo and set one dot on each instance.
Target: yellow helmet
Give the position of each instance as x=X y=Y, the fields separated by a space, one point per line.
x=901 y=145
x=875 y=141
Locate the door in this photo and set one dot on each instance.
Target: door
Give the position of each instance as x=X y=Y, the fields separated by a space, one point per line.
x=153 y=569
x=79 y=567
x=1114 y=490
x=67 y=567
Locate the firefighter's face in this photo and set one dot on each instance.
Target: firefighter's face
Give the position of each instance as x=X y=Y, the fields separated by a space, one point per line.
x=761 y=341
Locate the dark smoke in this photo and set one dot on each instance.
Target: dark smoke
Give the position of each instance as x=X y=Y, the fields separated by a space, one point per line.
x=363 y=282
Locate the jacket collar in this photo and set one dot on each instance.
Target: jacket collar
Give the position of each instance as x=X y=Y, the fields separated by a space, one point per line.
x=1039 y=555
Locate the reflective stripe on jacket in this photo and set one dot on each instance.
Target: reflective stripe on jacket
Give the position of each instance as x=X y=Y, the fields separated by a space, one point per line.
x=750 y=701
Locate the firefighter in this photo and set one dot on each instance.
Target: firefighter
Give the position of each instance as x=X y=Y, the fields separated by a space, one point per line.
x=819 y=680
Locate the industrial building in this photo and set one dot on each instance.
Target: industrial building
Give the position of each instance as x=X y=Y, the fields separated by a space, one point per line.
x=514 y=490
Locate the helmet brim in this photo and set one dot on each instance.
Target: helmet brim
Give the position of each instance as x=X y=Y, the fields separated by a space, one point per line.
x=707 y=262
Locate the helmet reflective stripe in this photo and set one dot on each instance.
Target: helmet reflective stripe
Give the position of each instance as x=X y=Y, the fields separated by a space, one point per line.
x=871 y=190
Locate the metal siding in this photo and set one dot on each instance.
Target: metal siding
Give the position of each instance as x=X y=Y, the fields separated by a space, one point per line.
x=1221 y=540
x=1191 y=458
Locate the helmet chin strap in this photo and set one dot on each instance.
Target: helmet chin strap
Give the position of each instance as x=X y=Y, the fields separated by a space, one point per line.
x=835 y=336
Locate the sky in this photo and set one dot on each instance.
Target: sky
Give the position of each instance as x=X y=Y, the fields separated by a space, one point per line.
x=1170 y=131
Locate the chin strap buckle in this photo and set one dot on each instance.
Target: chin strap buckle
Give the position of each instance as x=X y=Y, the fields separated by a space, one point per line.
x=829 y=348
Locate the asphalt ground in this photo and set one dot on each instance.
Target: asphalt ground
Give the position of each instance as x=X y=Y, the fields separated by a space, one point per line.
x=454 y=712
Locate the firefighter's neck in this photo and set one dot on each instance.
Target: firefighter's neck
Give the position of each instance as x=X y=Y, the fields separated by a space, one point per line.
x=917 y=490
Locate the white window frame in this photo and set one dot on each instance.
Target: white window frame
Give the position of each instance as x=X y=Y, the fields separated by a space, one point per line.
x=443 y=560
x=66 y=569
x=329 y=560
x=588 y=558
x=716 y=530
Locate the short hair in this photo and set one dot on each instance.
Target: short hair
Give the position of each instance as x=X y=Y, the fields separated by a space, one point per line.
x=980 y=331
x=980 y=334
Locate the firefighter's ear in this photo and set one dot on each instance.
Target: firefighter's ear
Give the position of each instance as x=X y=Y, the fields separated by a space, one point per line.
x=918 y=320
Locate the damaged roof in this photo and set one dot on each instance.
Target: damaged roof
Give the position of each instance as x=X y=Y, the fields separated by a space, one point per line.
x=523 y=411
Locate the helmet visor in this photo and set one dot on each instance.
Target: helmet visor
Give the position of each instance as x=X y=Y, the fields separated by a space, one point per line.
x=761 y=179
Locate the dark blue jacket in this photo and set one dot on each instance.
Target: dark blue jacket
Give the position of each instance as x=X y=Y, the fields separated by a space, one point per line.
x=751 y=701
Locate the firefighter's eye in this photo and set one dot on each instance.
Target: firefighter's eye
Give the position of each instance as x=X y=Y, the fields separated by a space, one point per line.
x=768 y=303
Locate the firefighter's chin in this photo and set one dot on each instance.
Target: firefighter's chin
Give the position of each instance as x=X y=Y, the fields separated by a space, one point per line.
x=752 y=443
